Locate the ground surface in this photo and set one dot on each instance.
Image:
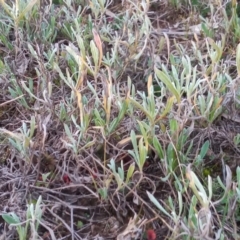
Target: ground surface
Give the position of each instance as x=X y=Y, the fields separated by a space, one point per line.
x=119 y=120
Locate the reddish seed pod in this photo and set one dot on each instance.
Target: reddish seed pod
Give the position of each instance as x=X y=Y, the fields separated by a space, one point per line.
x=66 y=179
x=151 y=235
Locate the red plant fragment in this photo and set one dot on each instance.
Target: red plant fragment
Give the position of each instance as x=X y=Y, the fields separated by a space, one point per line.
x=110 y=19
x=66 y=179
x=151 y=235
x=95 y=173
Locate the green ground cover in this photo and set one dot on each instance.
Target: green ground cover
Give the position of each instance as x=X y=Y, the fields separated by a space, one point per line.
x=119 y=119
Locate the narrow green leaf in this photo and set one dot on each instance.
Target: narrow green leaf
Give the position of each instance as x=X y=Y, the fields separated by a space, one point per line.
x=32 y=126
x=27 y=9
x=130 y=172
x=132 y=153
x=11 y=218
x=238 y=59
x=45 y=176
x=112 y=165
x=158 y=147
x=139 y=106
x=173 y=126
x=98 y=119
x=81 y=45
x=218 y=50
x=103 y=192
x=238 y=176
x=119 y=118
x=74 y=53
x=163 y=77
x=143 y=131
x=189 y=148
x=177 y=183
x=157 y=204
x=209 y=188
x=62 y=76
x=134 y=143
x=95 y=53
x=200 y=188
x=192 y=209
x=165 y=179
x=221 y=183
x=121 y=172
x=142 y=153
x=204 y=149
x=168 y=107
x=32 y=51
x=69 y=134
x=15 y=144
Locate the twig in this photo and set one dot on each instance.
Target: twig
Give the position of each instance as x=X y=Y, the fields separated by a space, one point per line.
x=12 y=100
